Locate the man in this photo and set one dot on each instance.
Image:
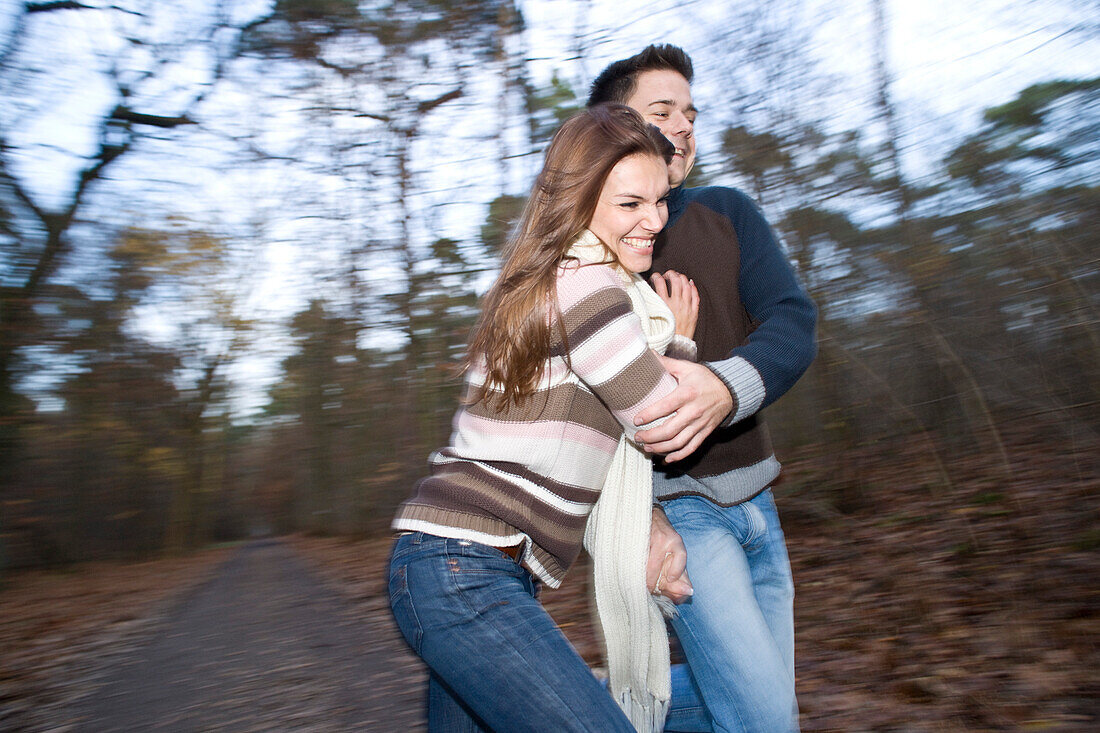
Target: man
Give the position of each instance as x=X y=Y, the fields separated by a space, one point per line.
x=756 y=337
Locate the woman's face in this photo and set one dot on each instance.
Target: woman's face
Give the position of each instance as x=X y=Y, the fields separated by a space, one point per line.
x=631 y=209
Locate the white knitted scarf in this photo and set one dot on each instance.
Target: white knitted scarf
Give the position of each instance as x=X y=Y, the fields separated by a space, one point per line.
x=617 y=538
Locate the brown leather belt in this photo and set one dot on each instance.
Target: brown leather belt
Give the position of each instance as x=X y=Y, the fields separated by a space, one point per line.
x=512 y=552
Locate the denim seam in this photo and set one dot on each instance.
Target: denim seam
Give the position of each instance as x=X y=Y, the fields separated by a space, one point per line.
x=414 y=617
x=507 y=639
x=758 y=525
x=704 y=649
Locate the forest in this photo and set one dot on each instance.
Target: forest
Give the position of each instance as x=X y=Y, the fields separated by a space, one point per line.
x=242 y=244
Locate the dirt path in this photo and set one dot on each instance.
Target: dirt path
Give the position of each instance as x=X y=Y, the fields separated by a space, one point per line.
x=264 y=645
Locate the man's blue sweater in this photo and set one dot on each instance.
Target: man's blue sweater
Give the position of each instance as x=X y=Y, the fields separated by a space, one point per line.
x=756 y=331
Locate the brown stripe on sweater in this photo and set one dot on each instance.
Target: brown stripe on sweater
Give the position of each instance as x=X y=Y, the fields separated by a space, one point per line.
x=555 y=566
x=414 y=510
x=570 y=402
x=481 y=489
x=579 y=494
x=633 y=383
x=464 y=485
x=590 y=315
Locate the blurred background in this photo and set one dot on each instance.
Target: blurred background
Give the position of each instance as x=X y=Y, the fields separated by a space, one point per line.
x=242 y=243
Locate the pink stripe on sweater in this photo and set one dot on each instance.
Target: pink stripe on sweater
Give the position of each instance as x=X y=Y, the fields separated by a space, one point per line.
x=577 y=283
x=541 y=430
x=621 y=339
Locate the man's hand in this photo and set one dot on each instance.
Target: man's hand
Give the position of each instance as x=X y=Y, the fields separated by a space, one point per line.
x=666 y=567
x=701 y=401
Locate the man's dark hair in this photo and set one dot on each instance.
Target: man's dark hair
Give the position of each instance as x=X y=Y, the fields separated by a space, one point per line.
x=617 y=82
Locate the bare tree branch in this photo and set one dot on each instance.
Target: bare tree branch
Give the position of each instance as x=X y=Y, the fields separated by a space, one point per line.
x=429 y=105
x=60 y=5
x=13 y=183
x=126 y=114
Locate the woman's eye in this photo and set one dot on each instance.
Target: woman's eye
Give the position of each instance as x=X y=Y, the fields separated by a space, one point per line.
x=630 y=205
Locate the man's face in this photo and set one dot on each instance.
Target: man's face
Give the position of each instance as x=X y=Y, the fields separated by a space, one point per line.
x=663 y=97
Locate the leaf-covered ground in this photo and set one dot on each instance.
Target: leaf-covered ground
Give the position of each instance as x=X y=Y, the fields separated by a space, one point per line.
x=924 y=607
x=968 y=606
x=59 y=629
x=972 y=607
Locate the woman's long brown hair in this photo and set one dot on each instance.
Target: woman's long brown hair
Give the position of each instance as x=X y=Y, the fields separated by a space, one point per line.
x=513 y=335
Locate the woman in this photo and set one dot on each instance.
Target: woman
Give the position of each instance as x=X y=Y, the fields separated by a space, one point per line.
x=560 y=363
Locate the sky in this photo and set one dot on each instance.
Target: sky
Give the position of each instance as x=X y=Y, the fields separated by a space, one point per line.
x=949 y=60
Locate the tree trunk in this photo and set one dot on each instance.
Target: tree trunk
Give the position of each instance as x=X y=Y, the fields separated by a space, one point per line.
x=910 y=247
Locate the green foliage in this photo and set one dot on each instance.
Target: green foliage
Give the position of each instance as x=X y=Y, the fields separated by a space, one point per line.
x=299 y=29
x=976 y=161
x=317 y=11
x=804 y=166
x=1047 y=133
x=549 y=107
x=809 y=223
x=1032 y=105
x=755 y=154
x=353 y=410
x=448 y=251
x=504 y=213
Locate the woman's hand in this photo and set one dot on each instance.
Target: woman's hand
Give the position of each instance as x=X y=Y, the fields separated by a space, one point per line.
x=682 y=298
x=666 y=567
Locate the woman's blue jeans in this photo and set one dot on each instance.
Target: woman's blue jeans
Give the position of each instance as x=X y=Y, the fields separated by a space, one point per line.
x=497 y=660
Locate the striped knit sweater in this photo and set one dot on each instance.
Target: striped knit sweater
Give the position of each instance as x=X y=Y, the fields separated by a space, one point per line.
x=530 y=474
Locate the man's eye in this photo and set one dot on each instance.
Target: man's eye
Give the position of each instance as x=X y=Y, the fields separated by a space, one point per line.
x=660 y=114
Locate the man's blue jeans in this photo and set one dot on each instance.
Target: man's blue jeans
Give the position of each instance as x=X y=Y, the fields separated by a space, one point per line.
x=496 y=658
x=737 y=631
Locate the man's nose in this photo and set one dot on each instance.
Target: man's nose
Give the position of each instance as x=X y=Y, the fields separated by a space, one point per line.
x=682 y=124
